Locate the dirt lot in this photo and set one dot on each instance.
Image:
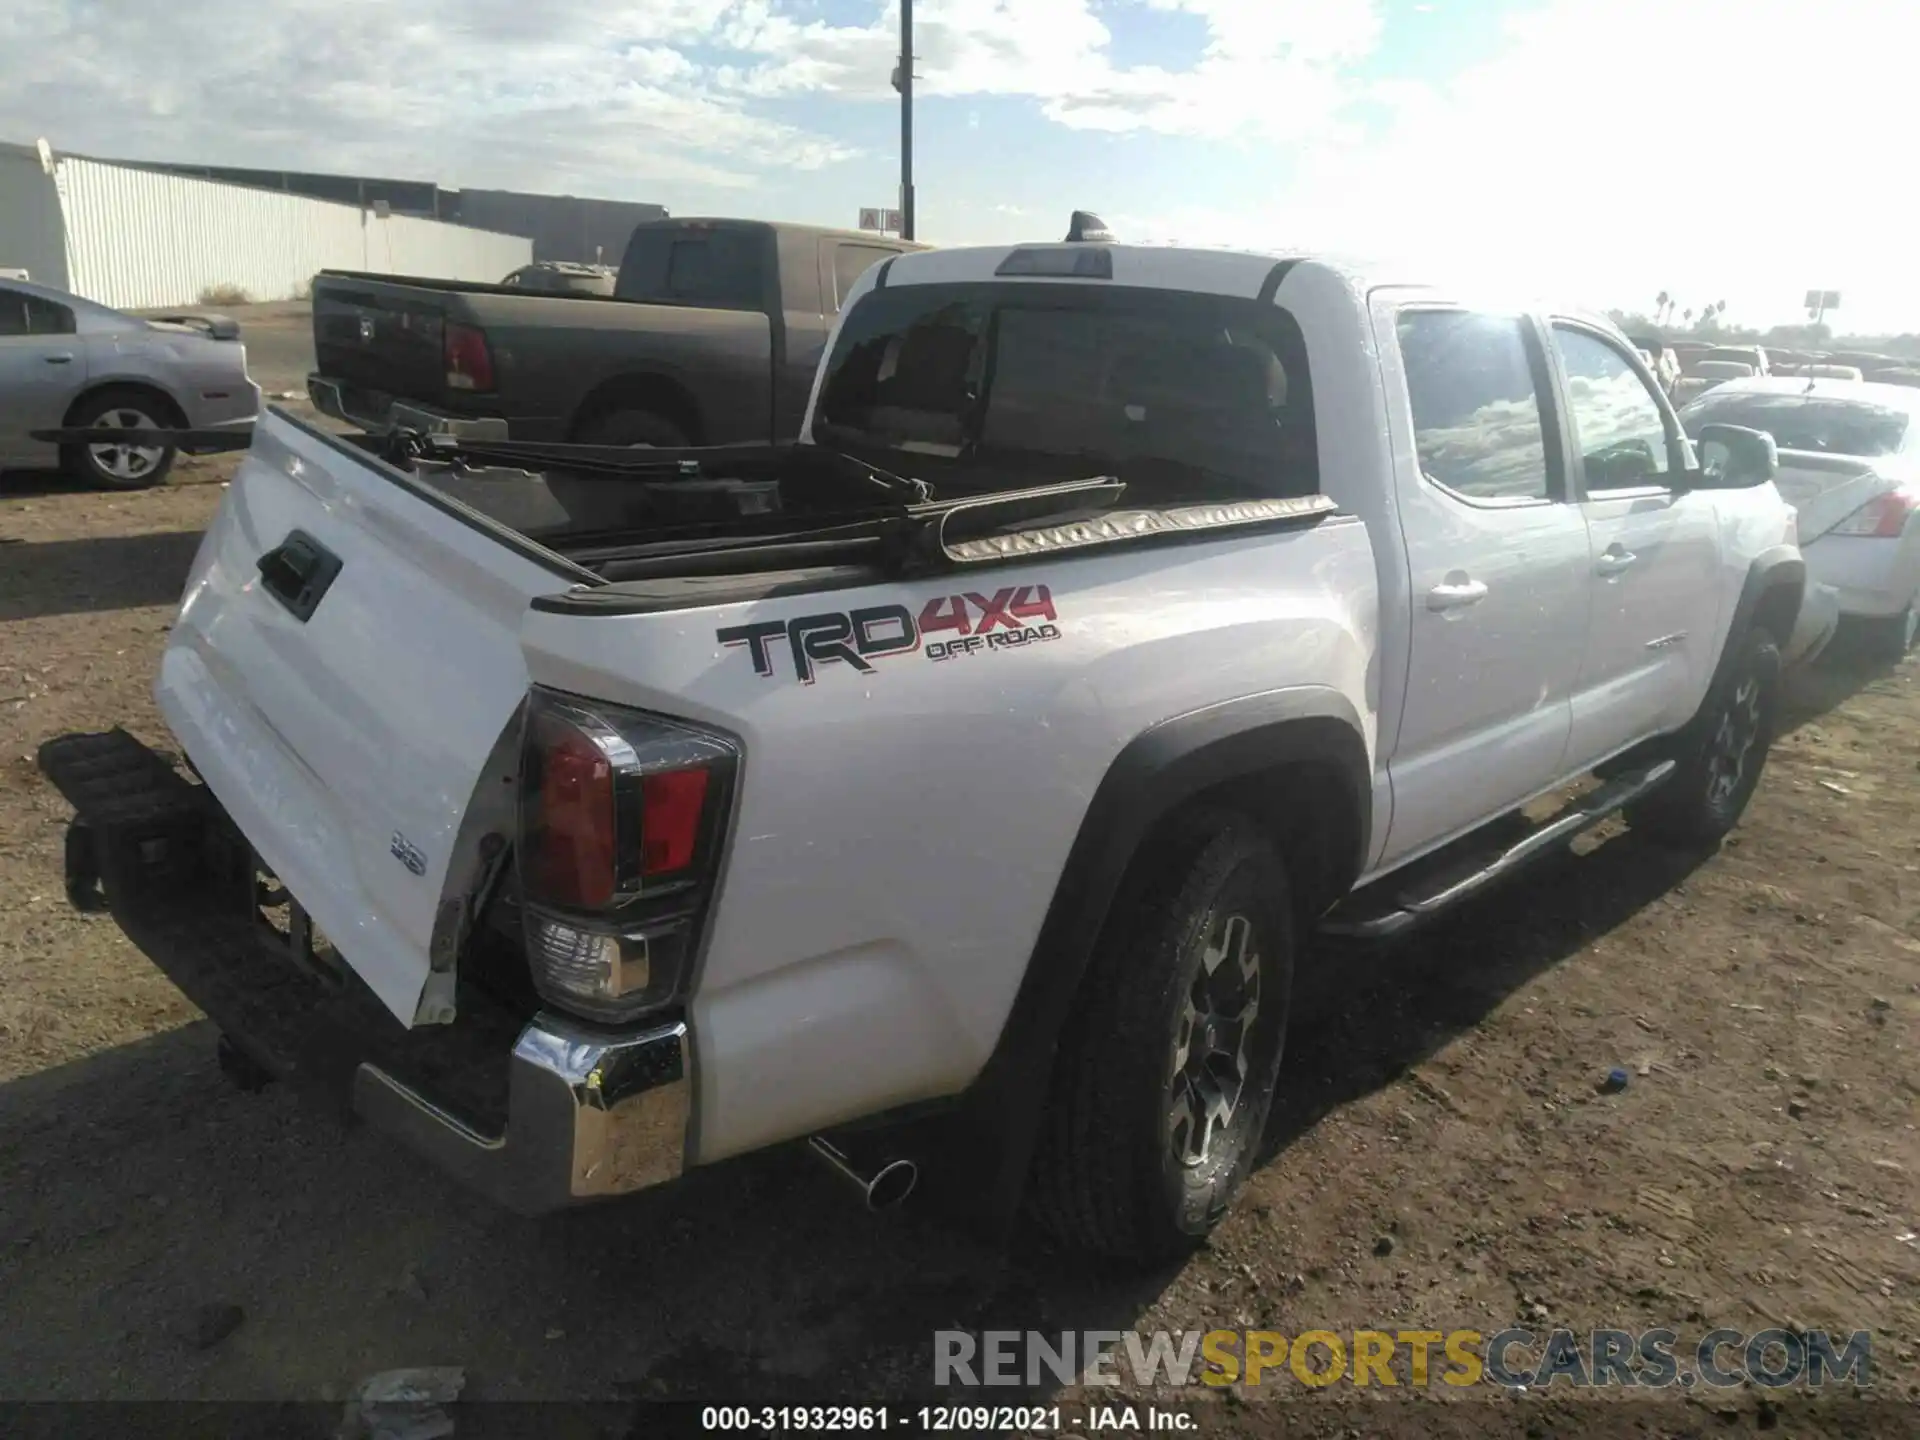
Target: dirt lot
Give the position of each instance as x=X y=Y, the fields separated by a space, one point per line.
x=1444 y=1155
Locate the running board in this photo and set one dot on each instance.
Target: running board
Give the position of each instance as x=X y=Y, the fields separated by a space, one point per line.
x=1397 y=902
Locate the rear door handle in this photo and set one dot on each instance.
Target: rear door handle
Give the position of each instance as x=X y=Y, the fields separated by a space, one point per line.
x=59 y=357
x=1613 y=561
x=1454 y=594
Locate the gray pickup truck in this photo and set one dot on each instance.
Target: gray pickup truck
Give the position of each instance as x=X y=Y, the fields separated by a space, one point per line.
x=711 y=337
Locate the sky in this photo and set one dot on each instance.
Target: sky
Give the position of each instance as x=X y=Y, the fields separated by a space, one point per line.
x=1594 y=150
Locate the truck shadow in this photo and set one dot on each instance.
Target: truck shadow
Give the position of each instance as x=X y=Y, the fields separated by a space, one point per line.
x=1414 y=996
x=1843 y=670
x=139 y=1186
x=39 y=579
x=32 y=484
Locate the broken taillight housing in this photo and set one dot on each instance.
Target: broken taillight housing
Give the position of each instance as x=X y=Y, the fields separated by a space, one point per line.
x=622 y=818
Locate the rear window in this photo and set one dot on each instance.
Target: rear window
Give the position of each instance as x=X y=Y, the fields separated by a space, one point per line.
x=981 y=386
x=22 y=314
x=1804 y=422
x=720 y=268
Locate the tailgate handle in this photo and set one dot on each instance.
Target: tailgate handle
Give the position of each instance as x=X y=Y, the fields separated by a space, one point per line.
x=297 y=572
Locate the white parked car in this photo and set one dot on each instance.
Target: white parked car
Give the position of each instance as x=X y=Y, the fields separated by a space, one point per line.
x=956 y=787
x=1850 y=465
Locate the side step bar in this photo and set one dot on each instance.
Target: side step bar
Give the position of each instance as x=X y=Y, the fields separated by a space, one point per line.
x=1398 y=902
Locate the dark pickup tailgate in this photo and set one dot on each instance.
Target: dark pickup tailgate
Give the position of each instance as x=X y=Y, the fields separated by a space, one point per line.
x=380 y=335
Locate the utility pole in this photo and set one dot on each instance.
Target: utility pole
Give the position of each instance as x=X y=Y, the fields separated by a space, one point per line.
x=905 y=82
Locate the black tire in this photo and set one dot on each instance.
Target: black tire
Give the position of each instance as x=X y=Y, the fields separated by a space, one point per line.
x=121 y=467
x=1721 y=754
x=1889 y=639
x=1106 y=1178
x=633 y=427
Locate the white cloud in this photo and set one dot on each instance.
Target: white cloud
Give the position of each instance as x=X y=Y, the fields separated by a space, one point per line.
x=1268 y=67
x=1737 y=149
x=599 y=97
x=1723 y=149
x=615 y=94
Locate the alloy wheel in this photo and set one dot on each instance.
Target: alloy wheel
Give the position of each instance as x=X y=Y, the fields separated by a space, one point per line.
x=127 y=463
x=1733 y=741
x=1210 y=1061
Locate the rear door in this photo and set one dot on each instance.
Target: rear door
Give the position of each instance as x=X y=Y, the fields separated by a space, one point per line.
x=361 y=738
x=1655 y=552
x=740 y=266
x=1497 y=555
x=42 y=367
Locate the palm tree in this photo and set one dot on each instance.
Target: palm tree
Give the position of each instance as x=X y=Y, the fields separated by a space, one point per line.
x=1687 y=315
x=1660 y=308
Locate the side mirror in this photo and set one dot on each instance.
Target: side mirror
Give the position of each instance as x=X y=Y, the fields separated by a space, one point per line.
x=1734 y=457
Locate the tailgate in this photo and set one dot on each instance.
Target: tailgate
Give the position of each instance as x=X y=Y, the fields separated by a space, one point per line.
x=1826 y=489
x=380 y=335
x=348 y=745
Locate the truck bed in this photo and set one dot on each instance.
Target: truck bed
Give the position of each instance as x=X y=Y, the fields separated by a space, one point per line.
x=465 y=287
x=550 y=354
x=687 y=527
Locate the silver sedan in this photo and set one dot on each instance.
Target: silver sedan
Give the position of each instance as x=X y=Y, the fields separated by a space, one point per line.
x=67 y=363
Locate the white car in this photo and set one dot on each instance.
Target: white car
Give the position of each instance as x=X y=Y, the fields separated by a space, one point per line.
x=1850 y=466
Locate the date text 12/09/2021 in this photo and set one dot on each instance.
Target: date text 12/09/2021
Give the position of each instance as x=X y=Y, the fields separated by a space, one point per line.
x=944 y=1419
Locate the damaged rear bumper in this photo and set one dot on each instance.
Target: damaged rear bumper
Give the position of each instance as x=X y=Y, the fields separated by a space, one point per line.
x=538 y=1114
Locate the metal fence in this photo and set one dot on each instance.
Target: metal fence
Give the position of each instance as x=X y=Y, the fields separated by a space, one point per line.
x=141 y=239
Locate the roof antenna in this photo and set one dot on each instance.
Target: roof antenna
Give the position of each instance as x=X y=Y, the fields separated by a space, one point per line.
x=1087 y=226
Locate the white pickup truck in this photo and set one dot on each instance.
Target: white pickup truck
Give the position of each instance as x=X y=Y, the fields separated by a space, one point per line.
x=957 y=788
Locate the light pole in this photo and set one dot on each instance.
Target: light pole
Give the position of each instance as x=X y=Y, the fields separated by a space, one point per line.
x=905 y=83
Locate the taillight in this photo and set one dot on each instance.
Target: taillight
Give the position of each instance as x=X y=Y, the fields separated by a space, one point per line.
x=469 y=361
x=622 y=816
x=569 y=856
x=1884 y=516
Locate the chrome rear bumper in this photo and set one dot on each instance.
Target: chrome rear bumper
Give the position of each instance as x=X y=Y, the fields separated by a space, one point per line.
x=378 y=414
x=588 y=1116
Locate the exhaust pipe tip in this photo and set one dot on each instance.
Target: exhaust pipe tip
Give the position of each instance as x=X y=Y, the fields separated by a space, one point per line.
x=885 y=1188
x=893 y=1184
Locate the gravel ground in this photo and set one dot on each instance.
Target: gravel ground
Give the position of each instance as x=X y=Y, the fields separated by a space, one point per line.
x=1443 y=1155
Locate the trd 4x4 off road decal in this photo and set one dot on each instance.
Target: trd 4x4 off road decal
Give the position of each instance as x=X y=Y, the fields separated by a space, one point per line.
x=1011 y=617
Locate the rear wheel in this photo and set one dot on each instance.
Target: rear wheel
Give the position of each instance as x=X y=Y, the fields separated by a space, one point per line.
x=1720 y=755
x=1166 y=1072
x=633 y=427
x=116 y=466
x=594 y=507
